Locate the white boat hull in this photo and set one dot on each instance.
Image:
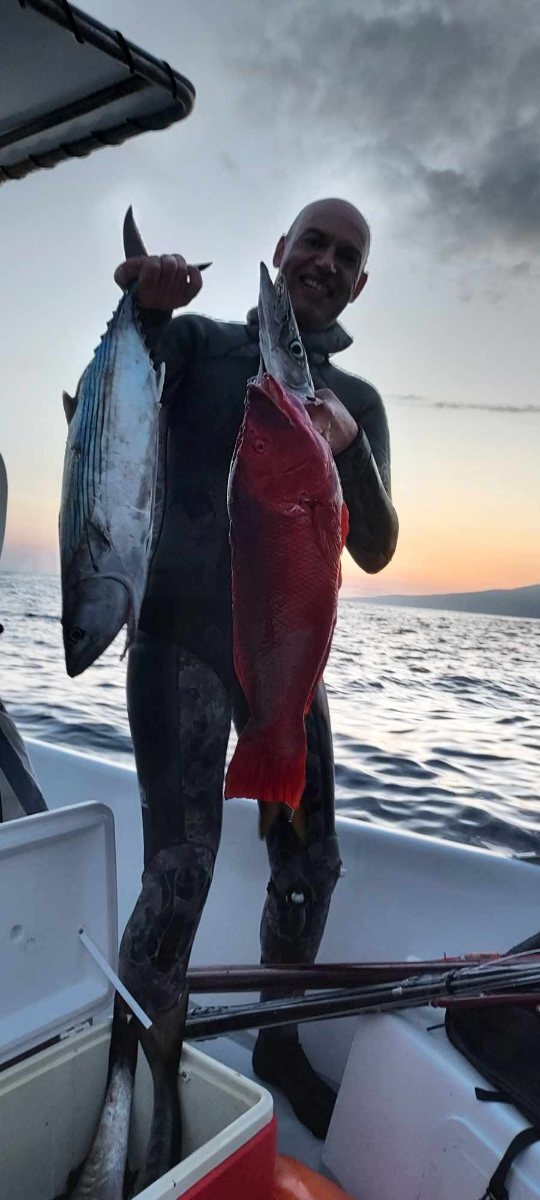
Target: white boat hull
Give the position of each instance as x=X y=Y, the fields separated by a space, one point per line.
x=407 y=1123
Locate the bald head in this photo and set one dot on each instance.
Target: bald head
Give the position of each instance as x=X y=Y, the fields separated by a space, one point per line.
x=323 y=258
x=340 y=210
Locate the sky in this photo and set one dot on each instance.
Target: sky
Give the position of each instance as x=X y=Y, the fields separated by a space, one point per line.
x=424 y=113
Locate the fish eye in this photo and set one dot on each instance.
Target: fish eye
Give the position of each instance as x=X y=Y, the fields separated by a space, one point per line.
x=296 y=348
x=259 y=445
x=76 y=634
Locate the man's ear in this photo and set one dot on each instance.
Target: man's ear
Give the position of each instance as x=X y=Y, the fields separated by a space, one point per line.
x=359 y=286
x=279 y=251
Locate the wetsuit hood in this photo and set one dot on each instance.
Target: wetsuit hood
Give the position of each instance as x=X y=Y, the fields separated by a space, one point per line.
x=319 y=346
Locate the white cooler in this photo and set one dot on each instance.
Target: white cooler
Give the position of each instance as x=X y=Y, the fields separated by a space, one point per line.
x=58 y=878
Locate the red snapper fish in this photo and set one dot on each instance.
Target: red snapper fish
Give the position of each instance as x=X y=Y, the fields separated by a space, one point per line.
x=288 y=526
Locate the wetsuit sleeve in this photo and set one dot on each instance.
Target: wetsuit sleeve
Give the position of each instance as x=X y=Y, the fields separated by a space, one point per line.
x=364 y=470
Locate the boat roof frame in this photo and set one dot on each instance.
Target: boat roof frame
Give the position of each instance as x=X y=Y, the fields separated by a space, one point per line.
x=143 y=70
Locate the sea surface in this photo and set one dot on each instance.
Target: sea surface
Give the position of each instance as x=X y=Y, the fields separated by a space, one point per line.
x=436 y=715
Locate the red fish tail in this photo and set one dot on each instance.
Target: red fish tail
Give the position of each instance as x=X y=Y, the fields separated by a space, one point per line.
x=262 y=769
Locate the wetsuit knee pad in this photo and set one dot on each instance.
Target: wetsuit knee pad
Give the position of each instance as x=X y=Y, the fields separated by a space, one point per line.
x=299 y=895
x=157 y=941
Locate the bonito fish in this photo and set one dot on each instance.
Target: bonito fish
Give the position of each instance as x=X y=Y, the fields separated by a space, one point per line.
x=102 y=1175
x=108 y=485
x=288 y=527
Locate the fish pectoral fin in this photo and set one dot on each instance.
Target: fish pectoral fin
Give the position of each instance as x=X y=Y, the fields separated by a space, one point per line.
x=70 y=406
x=160 y=380
x=131 y=625
x=325 y=534
x=98 y=540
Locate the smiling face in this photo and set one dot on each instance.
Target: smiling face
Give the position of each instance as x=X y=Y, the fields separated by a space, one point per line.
x=322 y=259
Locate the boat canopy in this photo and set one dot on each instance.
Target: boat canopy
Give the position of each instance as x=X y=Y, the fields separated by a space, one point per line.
x=69 y=86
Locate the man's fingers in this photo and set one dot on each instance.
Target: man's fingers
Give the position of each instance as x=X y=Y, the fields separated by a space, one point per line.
x=195 y=282
x=128 y=271
x=321 y=418
x=166 y=289
x=164 y=282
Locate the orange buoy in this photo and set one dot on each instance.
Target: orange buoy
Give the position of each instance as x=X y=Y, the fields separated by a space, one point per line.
x=294 y=1181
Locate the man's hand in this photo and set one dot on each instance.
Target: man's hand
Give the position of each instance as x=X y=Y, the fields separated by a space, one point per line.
x=332 y=420
x=164 y=283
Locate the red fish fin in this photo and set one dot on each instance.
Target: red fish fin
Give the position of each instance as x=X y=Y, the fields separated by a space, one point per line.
x=269 y=813
x=345 y=524
x=259 y=770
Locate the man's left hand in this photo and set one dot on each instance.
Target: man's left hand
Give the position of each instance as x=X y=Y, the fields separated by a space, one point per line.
x=332 y=420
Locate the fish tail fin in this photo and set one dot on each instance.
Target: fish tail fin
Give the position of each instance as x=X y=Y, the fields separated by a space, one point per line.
x=271 y=812
x=163 y=1042
x=124 y=1039
x=162 y=1045
x=259 y=769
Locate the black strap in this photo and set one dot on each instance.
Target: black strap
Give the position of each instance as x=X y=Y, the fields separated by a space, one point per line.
x=496 y=1188
x=488 y=1097
x=70 y=18
x=125 y=50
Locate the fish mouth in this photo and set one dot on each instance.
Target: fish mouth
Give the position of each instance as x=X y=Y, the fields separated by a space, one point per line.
x=79 y=656
x=95 y=609
x=282 y=352
x=269 y=391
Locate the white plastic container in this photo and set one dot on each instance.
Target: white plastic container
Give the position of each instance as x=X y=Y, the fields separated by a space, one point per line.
x=58 y=877
x=407 y=1122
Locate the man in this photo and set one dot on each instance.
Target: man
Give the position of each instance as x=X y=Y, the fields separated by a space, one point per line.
x=182 y=689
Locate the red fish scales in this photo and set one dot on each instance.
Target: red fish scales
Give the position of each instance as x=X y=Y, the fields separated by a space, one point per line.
x=288 y=527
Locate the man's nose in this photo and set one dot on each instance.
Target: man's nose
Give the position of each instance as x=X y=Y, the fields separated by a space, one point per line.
x=326 y=261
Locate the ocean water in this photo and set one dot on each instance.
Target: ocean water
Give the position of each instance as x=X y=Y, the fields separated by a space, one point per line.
x=436 y=715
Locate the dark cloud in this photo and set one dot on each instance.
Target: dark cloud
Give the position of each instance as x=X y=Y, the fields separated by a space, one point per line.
x=436 y=103
x=466 y=406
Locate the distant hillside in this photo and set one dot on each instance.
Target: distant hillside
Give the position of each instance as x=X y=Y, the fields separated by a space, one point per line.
x=505 y=602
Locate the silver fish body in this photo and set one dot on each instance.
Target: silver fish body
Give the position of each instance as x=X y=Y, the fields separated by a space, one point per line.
x=282 y=351
x=103 y=1172
x=108 y=490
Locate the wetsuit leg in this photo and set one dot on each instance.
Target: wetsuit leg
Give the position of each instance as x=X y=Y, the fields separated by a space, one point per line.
x=179 y=713
x=304 y=872
x=303 y=876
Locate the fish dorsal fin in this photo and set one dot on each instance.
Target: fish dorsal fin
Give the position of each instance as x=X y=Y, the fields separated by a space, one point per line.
x=134 y=246
x=70 y=405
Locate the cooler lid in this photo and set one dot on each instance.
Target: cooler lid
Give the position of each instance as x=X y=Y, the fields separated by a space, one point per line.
x=57 y=877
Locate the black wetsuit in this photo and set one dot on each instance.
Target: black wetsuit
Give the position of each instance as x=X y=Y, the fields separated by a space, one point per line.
x=182 y=690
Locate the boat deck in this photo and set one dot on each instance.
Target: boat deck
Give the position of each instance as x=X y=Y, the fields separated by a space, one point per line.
x=292 y=1137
